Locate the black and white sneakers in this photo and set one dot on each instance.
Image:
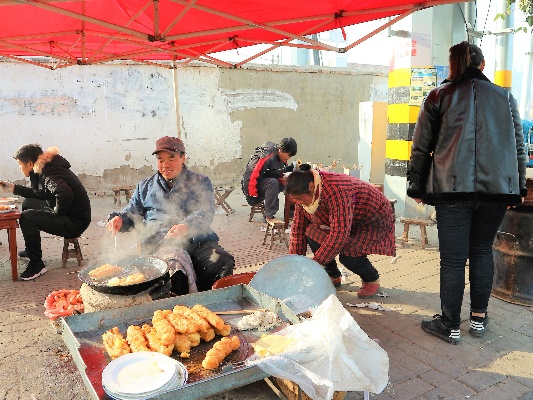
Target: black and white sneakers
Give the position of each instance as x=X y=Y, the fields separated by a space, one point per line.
x=34 y=269
x=437 y=328
x=478 y=325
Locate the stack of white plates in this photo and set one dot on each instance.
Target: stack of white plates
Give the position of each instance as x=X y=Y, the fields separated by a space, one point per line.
x=142 y=375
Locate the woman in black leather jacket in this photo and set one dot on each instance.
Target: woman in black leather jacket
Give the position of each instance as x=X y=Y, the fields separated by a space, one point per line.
x=468 y=160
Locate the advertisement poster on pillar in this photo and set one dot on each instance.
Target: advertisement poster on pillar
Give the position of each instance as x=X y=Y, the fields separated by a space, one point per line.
x=423 y=80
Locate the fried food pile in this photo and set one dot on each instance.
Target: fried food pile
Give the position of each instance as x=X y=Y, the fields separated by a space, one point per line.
x=179 y=329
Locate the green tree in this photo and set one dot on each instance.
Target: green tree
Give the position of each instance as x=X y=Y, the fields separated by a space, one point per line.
x=526 y=6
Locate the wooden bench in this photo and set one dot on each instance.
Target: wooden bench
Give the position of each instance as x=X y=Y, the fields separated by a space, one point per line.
x=221 y=194
x=276 y=229
x=407 y=222
x=127 y=190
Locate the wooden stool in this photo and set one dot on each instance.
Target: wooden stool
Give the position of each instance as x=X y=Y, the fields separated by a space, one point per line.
x=413 y=221
x=122 y=189
x=71 y=253
x=276 y=229
x=221 y=194
x=259 y=208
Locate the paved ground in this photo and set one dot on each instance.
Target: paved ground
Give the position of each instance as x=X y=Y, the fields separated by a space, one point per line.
x=35 y=364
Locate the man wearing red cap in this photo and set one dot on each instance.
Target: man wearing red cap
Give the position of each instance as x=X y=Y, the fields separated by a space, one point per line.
x=172 y=211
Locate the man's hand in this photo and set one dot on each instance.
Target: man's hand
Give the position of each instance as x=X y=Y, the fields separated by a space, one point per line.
x=8 y=186
x=419 y=201
x=114 y=225
x=177 y=231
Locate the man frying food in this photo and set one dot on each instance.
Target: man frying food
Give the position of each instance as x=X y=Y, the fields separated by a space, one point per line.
x=172 y=211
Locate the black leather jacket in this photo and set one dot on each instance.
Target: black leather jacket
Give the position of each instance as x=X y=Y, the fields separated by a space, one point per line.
x=468 y=144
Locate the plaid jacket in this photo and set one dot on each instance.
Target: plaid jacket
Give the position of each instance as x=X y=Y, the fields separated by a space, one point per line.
x=359 y=218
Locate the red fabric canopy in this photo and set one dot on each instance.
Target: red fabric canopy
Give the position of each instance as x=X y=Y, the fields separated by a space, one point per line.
x=97 y=31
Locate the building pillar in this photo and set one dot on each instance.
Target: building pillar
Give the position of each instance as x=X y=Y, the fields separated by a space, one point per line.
x=424 y=42
x=503 y=75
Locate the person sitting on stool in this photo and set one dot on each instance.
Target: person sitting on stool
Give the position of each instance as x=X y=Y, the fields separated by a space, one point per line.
x=55 y=203
x=266 y=166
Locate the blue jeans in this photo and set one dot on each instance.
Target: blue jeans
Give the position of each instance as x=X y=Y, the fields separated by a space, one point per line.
x=466 y=231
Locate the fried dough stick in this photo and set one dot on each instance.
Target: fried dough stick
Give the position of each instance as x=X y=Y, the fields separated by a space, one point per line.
x=182 y=344
x=194 y=338
x=165 y=331
x=136 y=340
x=181 y=324
x=115 y=344
x=202 y=323
x=210 y=316
x=220 y=350
x=207 y=335
x=225 y=331
x=154 y=343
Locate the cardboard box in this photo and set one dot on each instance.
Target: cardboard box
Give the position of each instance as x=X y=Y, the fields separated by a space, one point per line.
x=293 y=392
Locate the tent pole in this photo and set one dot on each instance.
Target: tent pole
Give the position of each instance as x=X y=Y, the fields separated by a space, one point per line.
x=176 y=97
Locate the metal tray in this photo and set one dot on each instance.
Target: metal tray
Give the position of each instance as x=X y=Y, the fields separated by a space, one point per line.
x=83 y=336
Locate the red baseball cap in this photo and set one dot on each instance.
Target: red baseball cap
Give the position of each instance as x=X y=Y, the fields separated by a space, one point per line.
x=170 y=144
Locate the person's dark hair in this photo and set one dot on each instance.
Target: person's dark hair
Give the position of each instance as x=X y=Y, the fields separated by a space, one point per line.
x=463 y=55
x=28 y=152
x=288 y=145
x=298 y=181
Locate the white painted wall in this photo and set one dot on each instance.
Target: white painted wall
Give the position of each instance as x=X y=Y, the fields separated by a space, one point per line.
x=105 y=118
x=100 y=117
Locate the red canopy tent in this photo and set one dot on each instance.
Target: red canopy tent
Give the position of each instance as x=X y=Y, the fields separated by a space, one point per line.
x=73 y=32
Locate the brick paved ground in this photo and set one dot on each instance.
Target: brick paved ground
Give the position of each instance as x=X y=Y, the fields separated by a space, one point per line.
x=35 y=364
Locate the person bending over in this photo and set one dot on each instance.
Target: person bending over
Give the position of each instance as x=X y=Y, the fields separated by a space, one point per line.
x=340 y=215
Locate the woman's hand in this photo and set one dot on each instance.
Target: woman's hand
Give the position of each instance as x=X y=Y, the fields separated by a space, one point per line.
x=114 y=225
x=419 y=201
x=177 y=231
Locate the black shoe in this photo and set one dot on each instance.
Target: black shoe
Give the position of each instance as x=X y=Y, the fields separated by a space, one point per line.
x=23 y=254
x=34 y=269
x=478 y=325
x=437 y=328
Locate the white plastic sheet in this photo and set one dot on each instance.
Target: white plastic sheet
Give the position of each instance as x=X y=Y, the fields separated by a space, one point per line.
x=326 y=353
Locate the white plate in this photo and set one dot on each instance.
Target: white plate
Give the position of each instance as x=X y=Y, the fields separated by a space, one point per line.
x=178 y=380
x=8 y=200
x=141 y=372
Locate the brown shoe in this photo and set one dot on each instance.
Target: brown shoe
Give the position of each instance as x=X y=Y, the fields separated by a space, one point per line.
x=367 y=290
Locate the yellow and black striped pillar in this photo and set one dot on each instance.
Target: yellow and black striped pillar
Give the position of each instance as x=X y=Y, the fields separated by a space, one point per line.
x=402 y=118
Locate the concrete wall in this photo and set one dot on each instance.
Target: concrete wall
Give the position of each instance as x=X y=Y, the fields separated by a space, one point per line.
x=105 y=119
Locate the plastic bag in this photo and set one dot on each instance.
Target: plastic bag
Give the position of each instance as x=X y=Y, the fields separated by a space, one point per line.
x=326 y=353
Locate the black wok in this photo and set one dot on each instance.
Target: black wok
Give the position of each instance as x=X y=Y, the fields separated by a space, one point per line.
x=154 y=269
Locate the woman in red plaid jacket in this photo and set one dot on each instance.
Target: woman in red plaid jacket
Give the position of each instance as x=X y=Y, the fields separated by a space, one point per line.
x=340 y=215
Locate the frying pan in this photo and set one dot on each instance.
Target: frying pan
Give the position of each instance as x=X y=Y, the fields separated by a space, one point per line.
x=154 y=269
